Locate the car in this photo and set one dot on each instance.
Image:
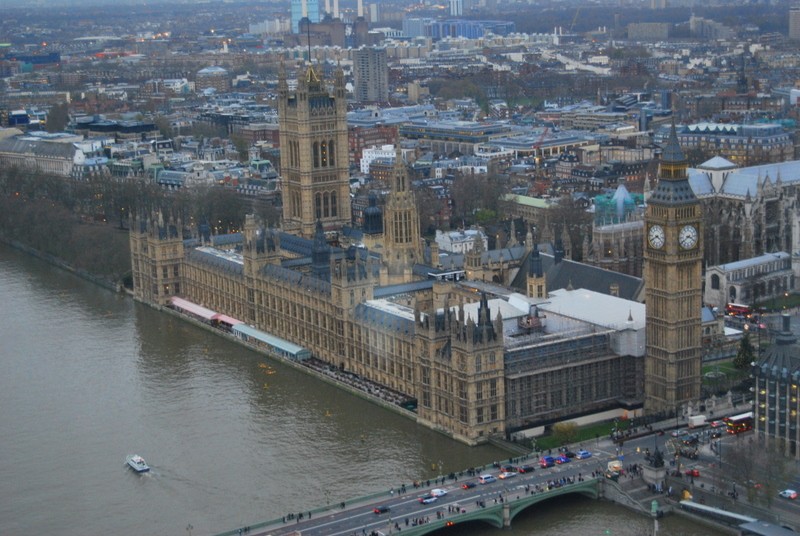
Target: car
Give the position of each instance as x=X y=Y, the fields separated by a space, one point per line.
x=507 y=468
x=583 y=454
x=693 y=472
x=716 y=434
x=427 y=499
x=468 y=485
x=569 y=454
x=526 y=469
x=676 y=433
x=717 y=424
x=438 y=492
x=788 y=494
x=505 y=475
x=563 y=459
x=546 y=461
x=486 y=479
x=690 y=440
x=382 y=509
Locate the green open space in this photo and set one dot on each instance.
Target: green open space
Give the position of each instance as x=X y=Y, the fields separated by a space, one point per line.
x=584 y=434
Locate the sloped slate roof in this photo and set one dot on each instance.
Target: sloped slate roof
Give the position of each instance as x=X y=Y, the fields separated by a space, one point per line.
x=216 y=261
x=673 y=192
x=404 y=288
x=578 y=275
x=717 y=163
x=742 y=181
x=41 y=148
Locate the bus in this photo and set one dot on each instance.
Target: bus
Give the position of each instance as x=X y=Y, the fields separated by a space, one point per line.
x=738 y=310
x=739 y=423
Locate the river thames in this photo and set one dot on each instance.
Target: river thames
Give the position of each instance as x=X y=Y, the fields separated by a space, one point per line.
x=233 y=438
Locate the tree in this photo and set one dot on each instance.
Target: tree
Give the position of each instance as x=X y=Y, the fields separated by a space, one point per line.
x=242 y=147
x=472 y=193
x=757 y=465
x=565 y=432
x=429 y=208
x=164 y=126
x=57 y=118
x=745 y=354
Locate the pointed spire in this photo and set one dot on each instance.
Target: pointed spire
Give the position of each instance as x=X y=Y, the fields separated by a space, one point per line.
x=283 y=87
x=535 y=267
x=400 y=172
x=673 y=153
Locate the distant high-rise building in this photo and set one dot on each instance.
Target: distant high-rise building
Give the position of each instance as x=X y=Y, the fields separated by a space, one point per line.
x=794 y=23
x=374 y=13
x=301 y=9
x=371 y=73
x=456 y=8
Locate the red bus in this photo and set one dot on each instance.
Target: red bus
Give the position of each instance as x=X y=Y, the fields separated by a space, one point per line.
x=739 y=423
x=739 y=310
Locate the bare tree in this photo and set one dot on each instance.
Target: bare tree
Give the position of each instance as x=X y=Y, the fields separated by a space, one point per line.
x=756 y=465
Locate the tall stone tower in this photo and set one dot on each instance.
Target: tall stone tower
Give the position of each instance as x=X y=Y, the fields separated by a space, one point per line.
x=536 y=279
x=402 y=244
x=673 y=256
x=156 y=258
x=460 y=371
x=315 y=180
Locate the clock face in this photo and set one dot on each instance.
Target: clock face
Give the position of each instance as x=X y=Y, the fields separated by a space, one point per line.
x=655 y=236
x=687 y=238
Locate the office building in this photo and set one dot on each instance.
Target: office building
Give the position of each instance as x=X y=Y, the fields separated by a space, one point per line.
x=371 y=73
x=301 y=9
x=794 y=23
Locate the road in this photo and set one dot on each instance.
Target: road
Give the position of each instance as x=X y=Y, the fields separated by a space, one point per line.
x=405 y=508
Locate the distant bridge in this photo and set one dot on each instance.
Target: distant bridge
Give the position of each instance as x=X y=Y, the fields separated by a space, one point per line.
x=500 y=515
x=465 y=508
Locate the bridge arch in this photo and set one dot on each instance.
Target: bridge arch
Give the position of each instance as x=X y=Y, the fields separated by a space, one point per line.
x=517 y=506
x=500 y=515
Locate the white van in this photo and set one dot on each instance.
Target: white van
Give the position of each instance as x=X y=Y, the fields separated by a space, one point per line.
x=486 y=479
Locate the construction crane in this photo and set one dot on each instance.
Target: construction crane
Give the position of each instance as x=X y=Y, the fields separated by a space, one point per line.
x=538 y=143
x=574 y=19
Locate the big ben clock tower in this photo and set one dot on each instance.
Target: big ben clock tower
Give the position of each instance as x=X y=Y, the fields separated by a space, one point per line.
x=673 y=282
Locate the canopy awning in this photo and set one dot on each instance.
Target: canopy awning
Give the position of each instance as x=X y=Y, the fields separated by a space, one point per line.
x=189 y=307
x=225 y=319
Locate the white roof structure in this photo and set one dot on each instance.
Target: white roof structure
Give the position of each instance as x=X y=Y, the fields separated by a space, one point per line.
x=596 y=308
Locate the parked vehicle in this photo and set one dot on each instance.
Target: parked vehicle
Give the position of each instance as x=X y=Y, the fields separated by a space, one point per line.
x=583 y=454
x=697 y=421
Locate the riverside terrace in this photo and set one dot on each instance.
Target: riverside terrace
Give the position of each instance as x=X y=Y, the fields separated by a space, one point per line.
x=495 y=503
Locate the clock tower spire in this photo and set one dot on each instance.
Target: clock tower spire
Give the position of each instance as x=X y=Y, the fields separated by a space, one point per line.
x=673 y=286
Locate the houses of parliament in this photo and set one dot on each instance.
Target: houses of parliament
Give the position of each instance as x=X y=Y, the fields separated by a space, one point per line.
x=520 y=340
